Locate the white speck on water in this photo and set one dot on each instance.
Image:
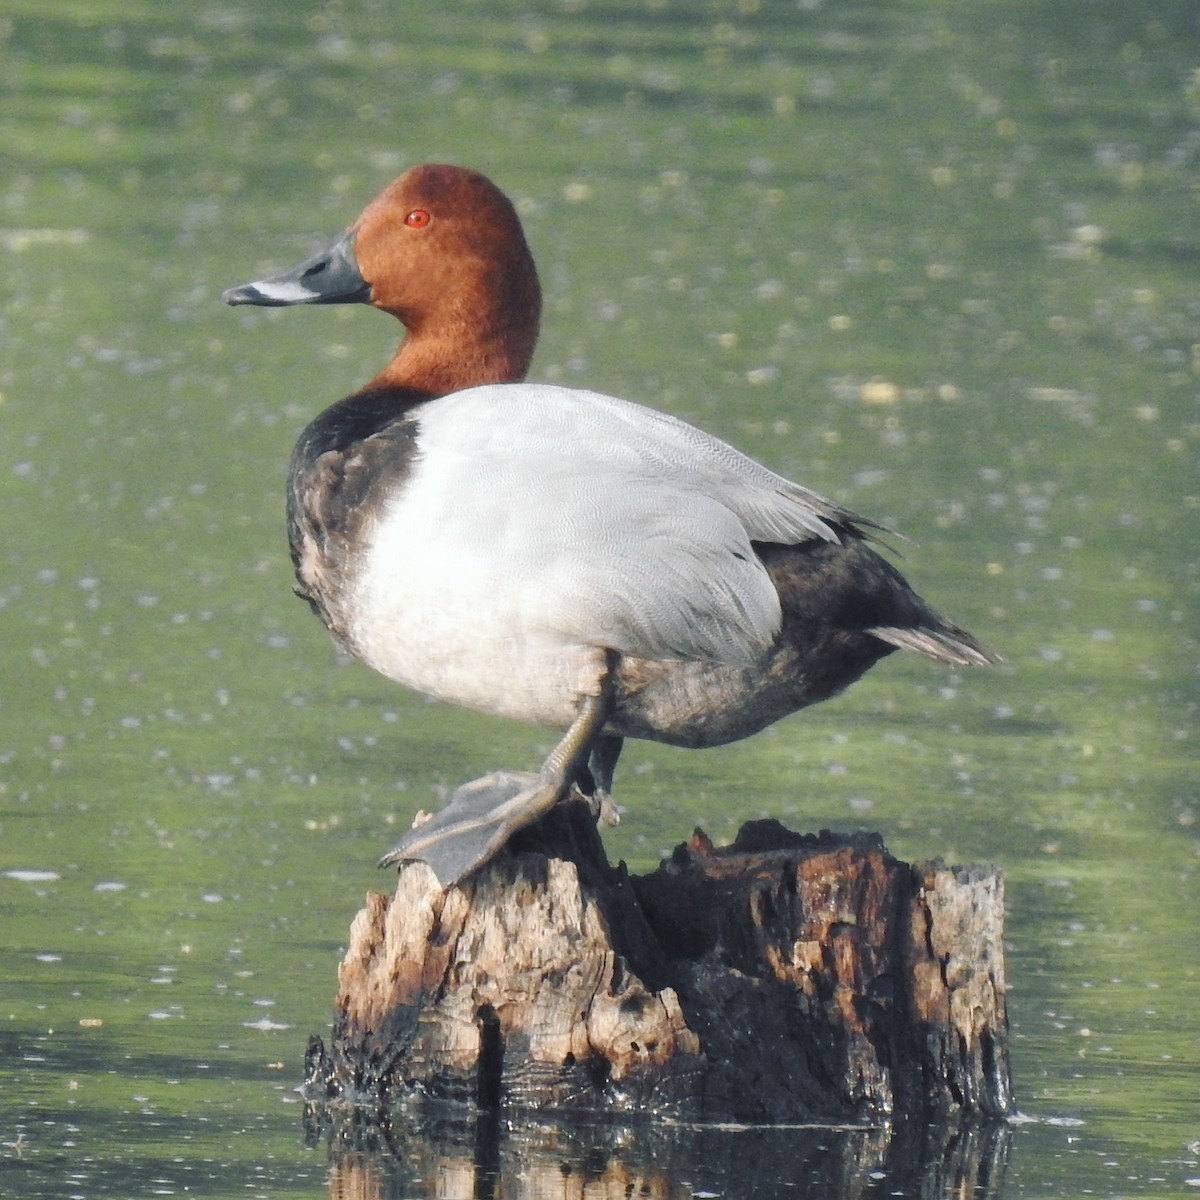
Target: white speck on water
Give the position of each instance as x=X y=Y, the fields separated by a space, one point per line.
x=871 y=477
x=110 y=885
x=48 y=958
x=23 y=876
x=212 y=897
x=265 y=1025
x=762 y=375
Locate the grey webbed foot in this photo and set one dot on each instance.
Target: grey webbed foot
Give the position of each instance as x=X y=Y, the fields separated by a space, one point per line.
x=475 y=823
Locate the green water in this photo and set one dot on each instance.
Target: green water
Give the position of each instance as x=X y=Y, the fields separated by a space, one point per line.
x=938 y=261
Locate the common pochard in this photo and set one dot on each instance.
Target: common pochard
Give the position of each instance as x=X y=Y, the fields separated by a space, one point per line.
x=551 y=554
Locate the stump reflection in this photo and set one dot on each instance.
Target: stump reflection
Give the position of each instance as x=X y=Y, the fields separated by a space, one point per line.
x=456 y=1157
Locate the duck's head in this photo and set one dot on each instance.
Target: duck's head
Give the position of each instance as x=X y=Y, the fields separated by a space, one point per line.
x=440 y=248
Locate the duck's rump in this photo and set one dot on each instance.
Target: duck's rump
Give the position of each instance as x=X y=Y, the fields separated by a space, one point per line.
x=844 y=608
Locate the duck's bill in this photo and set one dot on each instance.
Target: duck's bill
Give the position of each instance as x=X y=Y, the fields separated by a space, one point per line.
x=331 y=276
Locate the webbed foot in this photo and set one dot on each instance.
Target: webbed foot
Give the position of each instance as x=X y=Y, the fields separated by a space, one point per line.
x=475 y=823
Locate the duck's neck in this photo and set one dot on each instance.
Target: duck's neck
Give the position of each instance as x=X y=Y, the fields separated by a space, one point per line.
x=468 y=346
x=436 y=369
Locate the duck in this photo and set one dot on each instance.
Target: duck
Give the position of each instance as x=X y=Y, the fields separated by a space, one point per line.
x=556 y=555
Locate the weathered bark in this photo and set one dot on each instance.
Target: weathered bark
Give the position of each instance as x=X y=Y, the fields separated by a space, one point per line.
x=785 y=978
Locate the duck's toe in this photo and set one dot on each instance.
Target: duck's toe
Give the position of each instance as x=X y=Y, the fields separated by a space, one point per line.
x=605 y=808
x=475 y=823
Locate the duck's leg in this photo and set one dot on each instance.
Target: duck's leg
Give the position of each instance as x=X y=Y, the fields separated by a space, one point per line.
x=602 y=763
x=482 y=815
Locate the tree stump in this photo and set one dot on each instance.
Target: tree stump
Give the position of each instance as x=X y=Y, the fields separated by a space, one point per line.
x=783 y=978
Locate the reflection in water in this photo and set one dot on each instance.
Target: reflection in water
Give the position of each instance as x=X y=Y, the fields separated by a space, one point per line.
x=490 y=1157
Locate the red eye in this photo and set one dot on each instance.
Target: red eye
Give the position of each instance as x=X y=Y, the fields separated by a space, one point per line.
x=417 y=219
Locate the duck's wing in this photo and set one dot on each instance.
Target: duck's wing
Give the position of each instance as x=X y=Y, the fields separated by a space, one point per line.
x=771 y=507
x=622 y=527
x=659 y=573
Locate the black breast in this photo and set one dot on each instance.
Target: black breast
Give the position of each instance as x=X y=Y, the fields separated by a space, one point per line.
x=343 y=466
